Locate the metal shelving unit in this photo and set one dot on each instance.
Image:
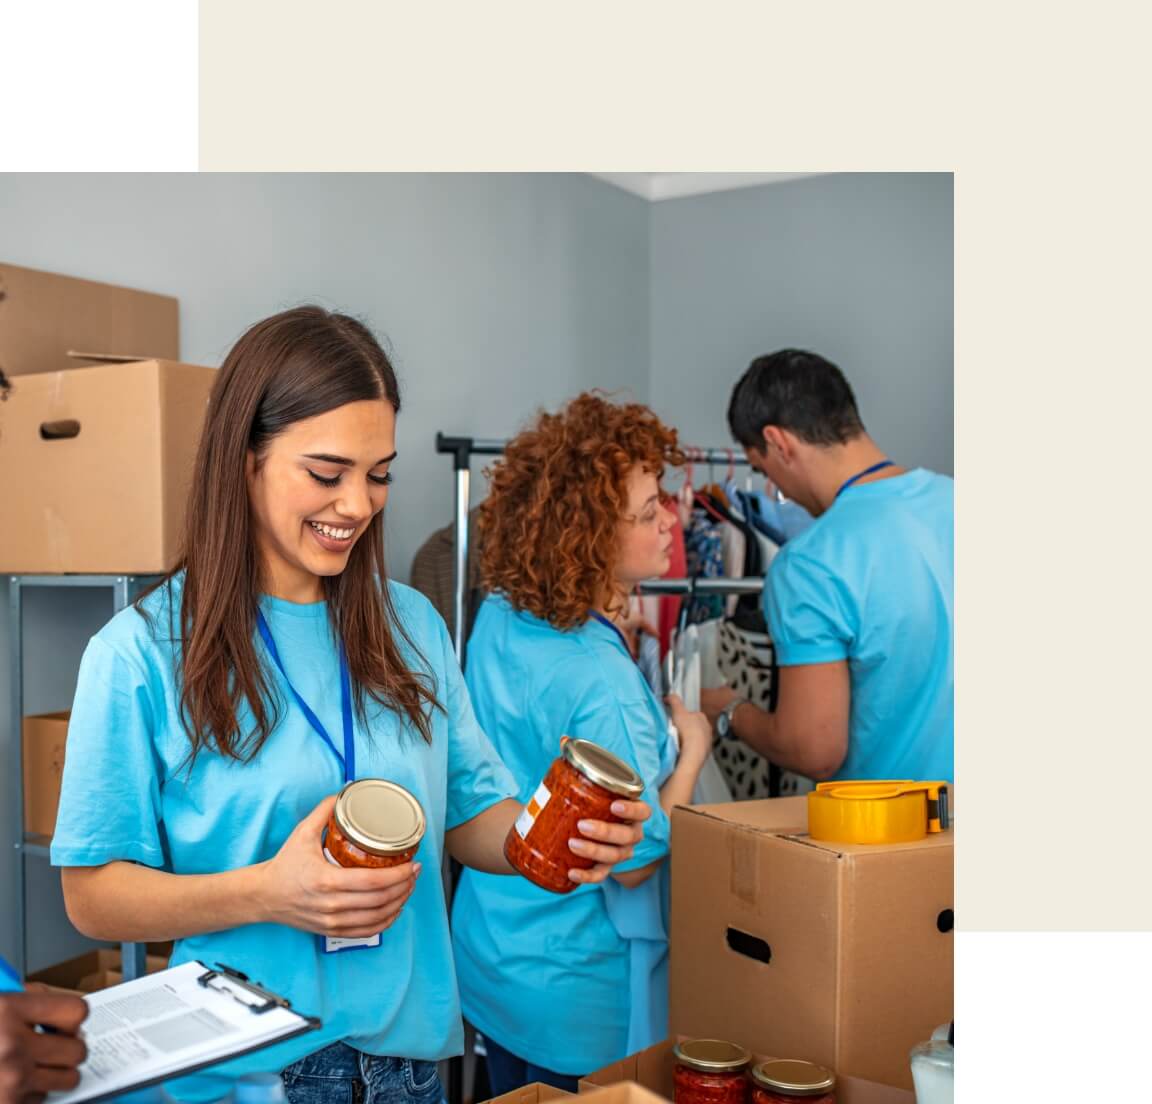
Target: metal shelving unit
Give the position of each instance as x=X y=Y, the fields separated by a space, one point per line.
x=124 y=589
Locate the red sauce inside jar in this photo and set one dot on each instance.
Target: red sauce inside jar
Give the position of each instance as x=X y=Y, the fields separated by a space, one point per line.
x=580 y=785
x=694 y=1086
x=791 y=1081
x=710 y=1071
x=374 y=824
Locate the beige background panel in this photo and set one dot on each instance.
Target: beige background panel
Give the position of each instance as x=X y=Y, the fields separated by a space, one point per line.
x=1039 y=112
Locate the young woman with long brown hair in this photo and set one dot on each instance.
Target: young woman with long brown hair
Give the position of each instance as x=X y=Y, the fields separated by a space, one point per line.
x=215 y=721
x=573 y=520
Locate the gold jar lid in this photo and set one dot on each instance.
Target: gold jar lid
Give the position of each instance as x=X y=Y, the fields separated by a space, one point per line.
x=794 y=1077
x=712 y=1055
x=602 y=767
x=380 y=817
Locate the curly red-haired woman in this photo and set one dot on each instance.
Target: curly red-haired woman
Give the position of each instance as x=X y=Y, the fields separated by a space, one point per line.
x=560 y=985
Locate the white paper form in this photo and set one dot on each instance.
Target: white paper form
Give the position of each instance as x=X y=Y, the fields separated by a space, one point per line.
x=167 y=1024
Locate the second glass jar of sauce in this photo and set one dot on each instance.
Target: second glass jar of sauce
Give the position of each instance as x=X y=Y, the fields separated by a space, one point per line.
x=710 y=1071
x=580 y=785
x=789 y=1081
x=374 y=824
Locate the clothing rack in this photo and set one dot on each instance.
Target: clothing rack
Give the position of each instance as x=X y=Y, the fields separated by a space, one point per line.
x=462 y=449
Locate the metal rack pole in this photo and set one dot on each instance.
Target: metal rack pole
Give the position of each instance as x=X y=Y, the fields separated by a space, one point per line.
x=714 y=585
x=123 y=588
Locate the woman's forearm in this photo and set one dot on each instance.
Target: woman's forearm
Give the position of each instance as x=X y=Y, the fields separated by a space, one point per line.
x=677 y=789
x=479 y=842
x=124 y=902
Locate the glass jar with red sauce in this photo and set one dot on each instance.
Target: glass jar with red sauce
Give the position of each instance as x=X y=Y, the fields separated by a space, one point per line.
x=789 y=1080
x=580 y=785
x=710 y=1071
x=373 y=824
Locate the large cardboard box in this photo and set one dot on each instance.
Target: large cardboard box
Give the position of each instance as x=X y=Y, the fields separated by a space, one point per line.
x=652 y=1069
x=536 y=1093
x=44 y=736
x=96 y=464
x=93 y=971
x=44 y=316
x=627 y=1092
x=837 y=953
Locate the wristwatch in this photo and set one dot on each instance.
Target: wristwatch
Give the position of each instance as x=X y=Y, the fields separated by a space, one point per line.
x=724 y=720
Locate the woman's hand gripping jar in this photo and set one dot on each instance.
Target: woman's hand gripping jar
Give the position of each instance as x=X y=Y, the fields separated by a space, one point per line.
x=710 y=1071
x=374 y=824
x=791 y=1081
x=580 y=785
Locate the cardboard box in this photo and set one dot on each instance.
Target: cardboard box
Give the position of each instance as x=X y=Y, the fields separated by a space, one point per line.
x=652 y=1069
x=98 y=462
x=628 y=1092
x=44 y=316
x=536 y=1093
x=44 y=737
x=837 y=953
x=95 y=970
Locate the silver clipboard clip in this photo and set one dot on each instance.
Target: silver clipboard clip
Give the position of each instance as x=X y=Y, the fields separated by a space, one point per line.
x=236 y=985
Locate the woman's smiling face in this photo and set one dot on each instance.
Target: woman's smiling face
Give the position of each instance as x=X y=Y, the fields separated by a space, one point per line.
x=314 y=491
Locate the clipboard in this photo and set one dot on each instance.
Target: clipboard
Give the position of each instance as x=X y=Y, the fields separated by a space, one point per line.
x=176 y=1022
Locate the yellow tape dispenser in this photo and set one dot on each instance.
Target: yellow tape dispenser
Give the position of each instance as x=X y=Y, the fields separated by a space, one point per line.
x=891 y=811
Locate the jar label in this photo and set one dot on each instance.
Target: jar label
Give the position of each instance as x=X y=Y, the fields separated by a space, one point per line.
x=532 y=810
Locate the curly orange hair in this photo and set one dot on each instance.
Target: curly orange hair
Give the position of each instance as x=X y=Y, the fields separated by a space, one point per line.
x=548 y=529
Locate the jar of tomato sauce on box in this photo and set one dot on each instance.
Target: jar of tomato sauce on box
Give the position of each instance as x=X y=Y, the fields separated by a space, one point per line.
x=787 y=1081
x=580 y=785
x=710 y=1071
x=375 y=824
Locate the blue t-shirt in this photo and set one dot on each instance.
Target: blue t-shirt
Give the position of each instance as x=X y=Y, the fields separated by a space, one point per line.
x=128 y=795
x=871 y=582
x=547 y=975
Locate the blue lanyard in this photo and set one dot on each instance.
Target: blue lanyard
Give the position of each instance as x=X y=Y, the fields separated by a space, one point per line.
x=860 y=475
x=615 y=628
x=348 y=759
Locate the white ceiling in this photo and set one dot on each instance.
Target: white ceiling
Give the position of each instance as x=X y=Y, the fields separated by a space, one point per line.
x=657 y=186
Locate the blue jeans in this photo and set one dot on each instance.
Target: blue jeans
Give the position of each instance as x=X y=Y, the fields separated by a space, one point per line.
x=340 y=1075
x=507 y=1072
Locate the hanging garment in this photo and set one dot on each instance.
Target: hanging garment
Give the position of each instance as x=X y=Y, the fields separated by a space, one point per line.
x=748 y=663
x=434 y=569
x=696 y=659
x=704 y=548
x=671 y=604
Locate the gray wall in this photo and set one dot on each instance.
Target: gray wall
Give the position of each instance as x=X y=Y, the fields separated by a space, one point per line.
x=856 y=267
x=496 y=294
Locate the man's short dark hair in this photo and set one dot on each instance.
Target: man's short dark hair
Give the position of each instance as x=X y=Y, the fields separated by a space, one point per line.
x=797 y=391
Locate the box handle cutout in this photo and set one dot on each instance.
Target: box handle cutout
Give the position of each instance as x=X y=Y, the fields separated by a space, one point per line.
x=945 y=921
x=749 y=945
x=60 y=431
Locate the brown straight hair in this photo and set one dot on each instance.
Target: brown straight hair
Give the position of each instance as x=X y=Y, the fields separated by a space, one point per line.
x=292 y=366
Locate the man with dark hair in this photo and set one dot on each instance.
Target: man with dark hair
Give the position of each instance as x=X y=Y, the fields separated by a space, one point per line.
x=860 y=604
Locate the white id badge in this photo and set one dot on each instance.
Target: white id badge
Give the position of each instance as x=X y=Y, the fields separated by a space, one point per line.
x=334 y=943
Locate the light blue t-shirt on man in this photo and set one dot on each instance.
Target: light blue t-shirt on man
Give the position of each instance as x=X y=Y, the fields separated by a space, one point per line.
x=871 y=582
x=568 y=982
x=128 y=794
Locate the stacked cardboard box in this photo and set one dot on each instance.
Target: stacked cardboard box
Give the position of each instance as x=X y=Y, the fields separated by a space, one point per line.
x=96 y=453
x=44 y=741
x=836 y=953
x=97 y=970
